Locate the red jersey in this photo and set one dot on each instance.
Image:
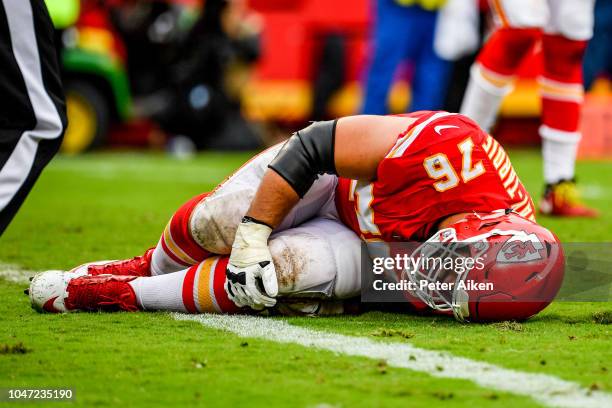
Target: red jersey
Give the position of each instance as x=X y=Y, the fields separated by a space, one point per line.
x=443 y=164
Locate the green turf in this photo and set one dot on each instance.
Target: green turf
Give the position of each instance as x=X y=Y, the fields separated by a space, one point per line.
x=108 y=206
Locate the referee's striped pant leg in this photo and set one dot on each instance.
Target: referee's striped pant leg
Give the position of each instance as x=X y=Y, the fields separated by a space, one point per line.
x=32 y=105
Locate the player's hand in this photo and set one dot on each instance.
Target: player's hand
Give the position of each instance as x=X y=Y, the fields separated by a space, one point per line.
x=250 y=275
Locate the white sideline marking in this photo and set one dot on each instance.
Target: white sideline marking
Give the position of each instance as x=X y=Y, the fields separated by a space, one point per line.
x=546 y=389
x=14 y=273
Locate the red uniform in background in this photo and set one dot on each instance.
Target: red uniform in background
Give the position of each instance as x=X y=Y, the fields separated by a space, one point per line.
x=443 y=164
x=561 y=28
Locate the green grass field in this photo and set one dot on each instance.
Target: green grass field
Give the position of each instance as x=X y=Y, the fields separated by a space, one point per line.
x=109 y=206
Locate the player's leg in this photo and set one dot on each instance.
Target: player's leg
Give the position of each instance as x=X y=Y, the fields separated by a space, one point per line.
x=316 y=263
x=389 y=42
x=561 y=85
x=198 y=289
x=214 y=220
x=432 y=73
x=519 y=28
x=207 y=223
x=175 y=250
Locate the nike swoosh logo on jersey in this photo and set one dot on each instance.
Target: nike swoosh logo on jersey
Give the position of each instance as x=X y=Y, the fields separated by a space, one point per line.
x=49 y=307
x=438 y=128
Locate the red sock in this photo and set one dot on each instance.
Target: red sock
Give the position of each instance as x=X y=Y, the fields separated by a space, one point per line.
x=198 y=289
x=177 y=249
x=203 y=290
x=561 y=83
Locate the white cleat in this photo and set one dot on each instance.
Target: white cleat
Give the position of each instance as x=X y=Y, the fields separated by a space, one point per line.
x=48 y=290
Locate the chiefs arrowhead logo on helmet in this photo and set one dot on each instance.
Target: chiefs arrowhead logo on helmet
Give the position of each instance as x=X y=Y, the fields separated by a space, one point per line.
x=521 y=247
x=520 y=274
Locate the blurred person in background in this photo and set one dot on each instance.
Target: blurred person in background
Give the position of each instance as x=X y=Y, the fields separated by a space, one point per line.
x=404 y=31
x=598 y=58
x=32 y=107
x=459 y=33
x=563 y=28
x=197 y=91
x=458 y=37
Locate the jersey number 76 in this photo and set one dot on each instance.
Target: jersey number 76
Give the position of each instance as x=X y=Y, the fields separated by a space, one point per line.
x=439 y=168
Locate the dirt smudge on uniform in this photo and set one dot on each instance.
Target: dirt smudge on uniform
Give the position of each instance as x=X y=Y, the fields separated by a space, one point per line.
x=292 y=258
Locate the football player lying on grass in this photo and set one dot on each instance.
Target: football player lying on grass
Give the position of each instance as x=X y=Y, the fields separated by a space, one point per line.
x=285 y=230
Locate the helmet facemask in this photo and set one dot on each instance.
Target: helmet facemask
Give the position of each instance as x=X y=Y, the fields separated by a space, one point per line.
x=440 y=250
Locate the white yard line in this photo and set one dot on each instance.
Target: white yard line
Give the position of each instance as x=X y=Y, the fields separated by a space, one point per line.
x=546 y=389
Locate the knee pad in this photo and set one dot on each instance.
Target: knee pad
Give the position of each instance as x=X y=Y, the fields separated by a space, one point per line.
x=215 y=220
x=506 y=49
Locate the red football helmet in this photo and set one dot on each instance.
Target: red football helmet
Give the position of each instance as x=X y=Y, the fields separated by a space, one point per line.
x=516 y=269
